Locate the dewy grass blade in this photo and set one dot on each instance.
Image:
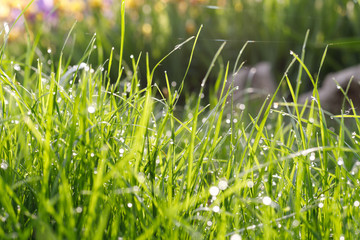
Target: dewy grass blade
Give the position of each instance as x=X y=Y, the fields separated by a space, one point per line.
x=190 y=153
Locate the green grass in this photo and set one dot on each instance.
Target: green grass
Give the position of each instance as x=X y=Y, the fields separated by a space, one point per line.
x=85 y=158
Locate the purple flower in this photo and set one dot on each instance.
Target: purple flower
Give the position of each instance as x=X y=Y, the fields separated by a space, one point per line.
x=47 y=9
x=45 y=6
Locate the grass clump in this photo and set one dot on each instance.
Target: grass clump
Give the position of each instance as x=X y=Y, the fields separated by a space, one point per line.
x=84 y=158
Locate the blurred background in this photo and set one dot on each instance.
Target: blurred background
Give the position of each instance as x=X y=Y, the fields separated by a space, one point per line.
x=157 y=26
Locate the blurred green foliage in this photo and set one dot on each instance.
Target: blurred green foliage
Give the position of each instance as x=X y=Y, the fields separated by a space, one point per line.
x=274 y=26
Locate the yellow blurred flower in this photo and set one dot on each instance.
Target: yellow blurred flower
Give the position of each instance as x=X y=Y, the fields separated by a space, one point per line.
x=134 y=4
x=182 y=7
x=238 y=7
x=4 y=11
x=190 y=26
x=146 y=29
x=77 y=7
x=96 y=3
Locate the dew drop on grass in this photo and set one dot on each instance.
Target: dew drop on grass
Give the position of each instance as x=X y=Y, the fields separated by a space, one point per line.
x=92 y=154
x=235 y=237
x=312 y=157
x=17 y=67
x=209 y=223
x=321 y=205
x=141 y=177
x=4 y=165
x=121 y=151
x=129 y=205
x=7 y=28
x=216 y=209
x=340 y=161
x=250 y=184
x=267 y=201
x=214 y=191
x=78 y=210
x=356 y=203
x=276 y=105
x=222 y=184
x=342 y=237
x=295 y=223
x=91 y=109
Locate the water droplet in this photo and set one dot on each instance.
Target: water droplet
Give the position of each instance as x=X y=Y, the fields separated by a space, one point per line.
x=216 y=209
x=17 y=67
x=295 y=223
x=7 y=28
x=49 y=50
x=356 y=203
x=222 y=184
x=141 y=177
x=91 y=109
x=209 y=223
x=214 y=191
x=235 y=237
x=4 y=165
x=267 y=201
x=321 y=205
x=276 y=105
x=250 y=184
x=129 y=205
x=78 y=210
x=340 y=161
